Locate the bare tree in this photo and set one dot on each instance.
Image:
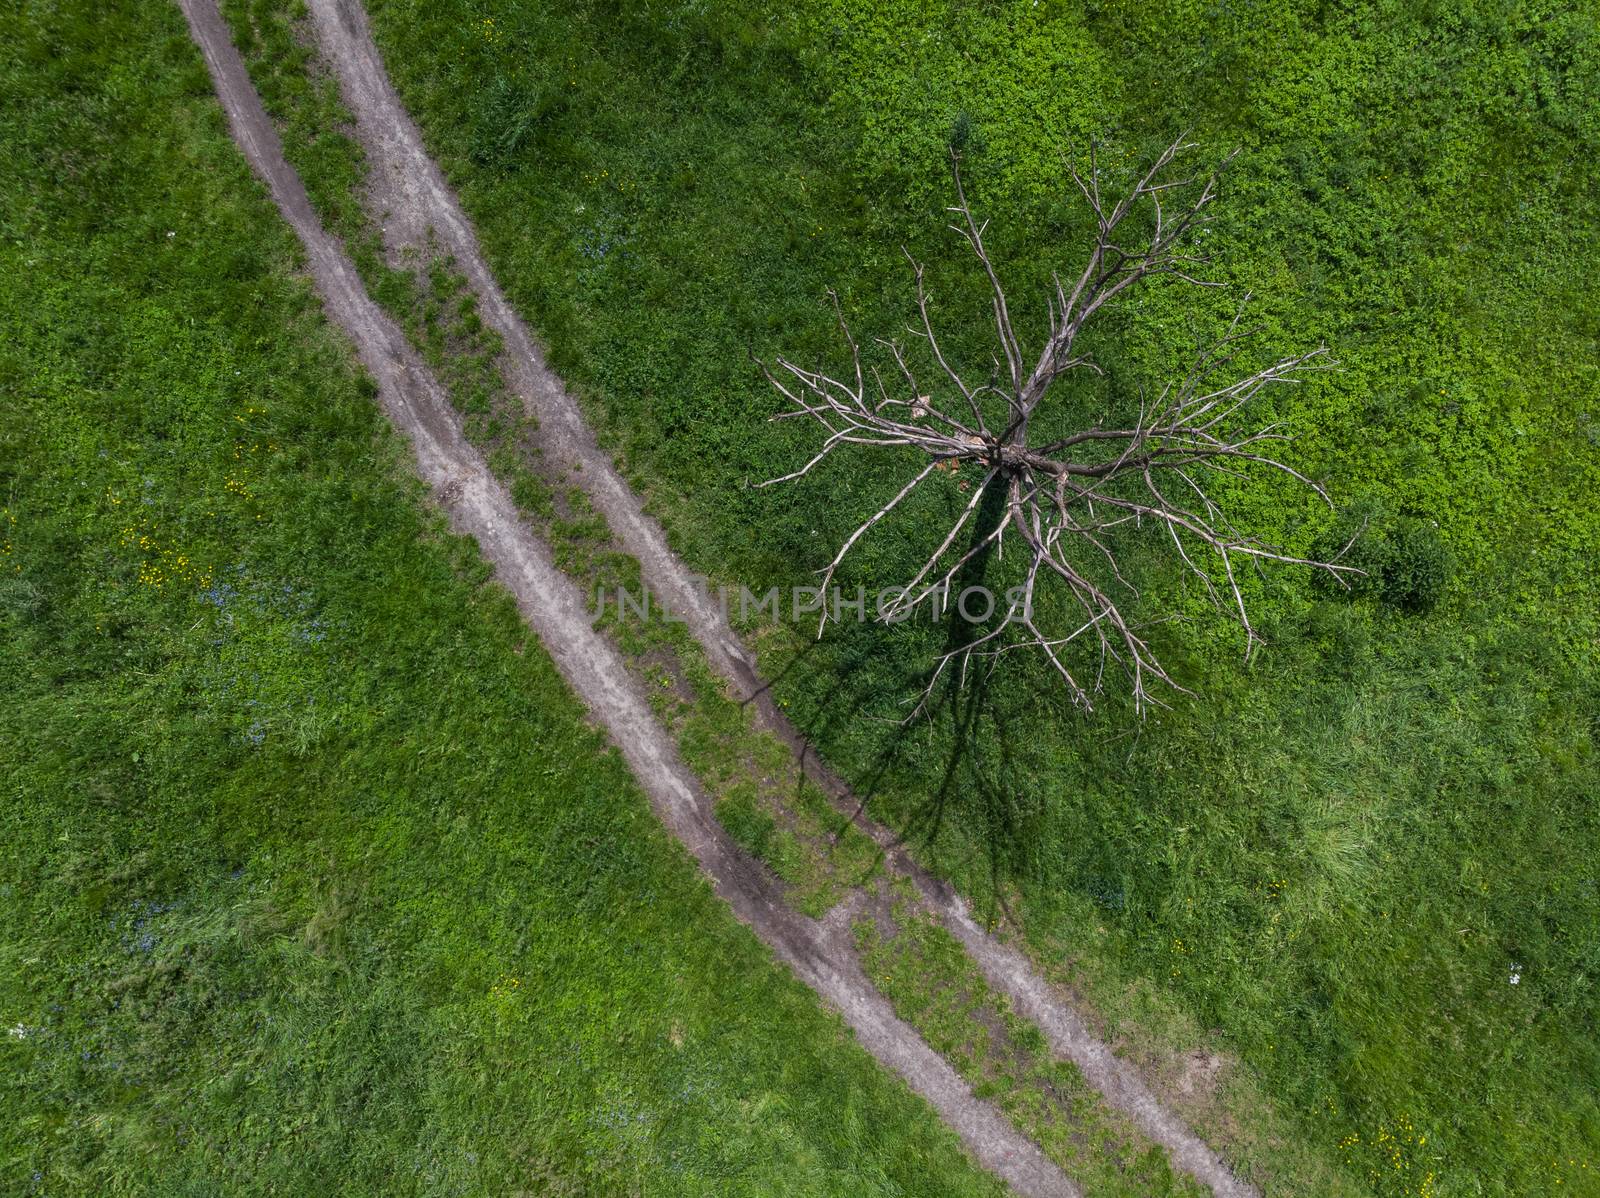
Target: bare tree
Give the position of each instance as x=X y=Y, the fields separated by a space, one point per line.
x=1068 y=493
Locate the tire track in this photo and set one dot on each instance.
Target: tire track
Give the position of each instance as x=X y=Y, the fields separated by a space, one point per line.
x=819 y=952
x=416 y=199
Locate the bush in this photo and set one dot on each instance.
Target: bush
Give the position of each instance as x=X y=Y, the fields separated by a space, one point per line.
x=1418 y=567
x=1405 y=563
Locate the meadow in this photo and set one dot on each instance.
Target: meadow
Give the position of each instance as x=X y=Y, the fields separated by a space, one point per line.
x=1363 y=862
x=313 y=877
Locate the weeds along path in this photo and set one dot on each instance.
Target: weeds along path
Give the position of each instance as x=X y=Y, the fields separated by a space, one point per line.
x=414 y=203
x=819 y=951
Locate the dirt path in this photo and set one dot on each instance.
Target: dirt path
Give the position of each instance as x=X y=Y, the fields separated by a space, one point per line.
x=413 y=199
x=819 y=952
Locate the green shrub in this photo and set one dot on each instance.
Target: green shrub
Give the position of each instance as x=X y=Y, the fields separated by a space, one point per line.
x=1404 y=562
x=1418 y=567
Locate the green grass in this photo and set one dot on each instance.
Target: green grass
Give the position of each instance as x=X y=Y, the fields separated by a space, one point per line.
x=1358 y=837
x=313 y=876
x=771 y=811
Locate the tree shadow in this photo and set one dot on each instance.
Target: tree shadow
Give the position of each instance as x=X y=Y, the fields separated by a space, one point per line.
x=980 y=777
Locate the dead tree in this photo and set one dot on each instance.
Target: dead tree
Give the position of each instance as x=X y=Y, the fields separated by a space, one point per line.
x=1068 y=495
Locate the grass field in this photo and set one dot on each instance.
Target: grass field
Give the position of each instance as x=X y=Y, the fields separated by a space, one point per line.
x=1339 y=858
x=784 y=821
x=312 y=875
